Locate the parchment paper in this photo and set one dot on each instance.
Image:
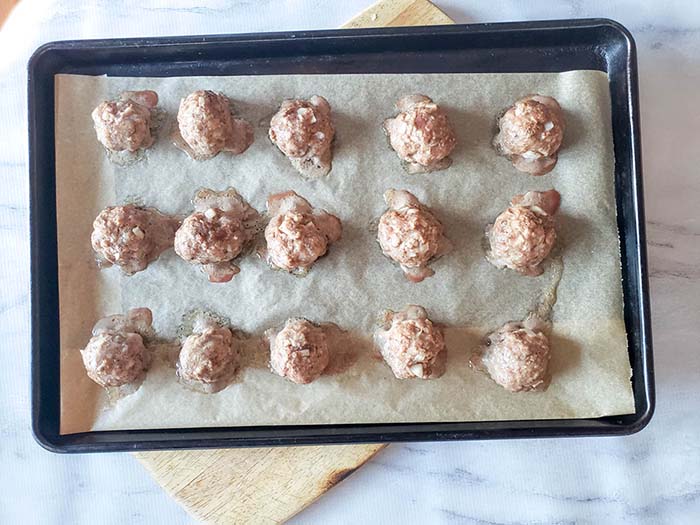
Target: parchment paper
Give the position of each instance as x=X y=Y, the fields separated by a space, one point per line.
x=355 y=282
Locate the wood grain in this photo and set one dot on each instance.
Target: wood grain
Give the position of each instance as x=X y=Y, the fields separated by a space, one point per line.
x=393 y=13
x=261 y=485
x=270 y=485
x=6 y=7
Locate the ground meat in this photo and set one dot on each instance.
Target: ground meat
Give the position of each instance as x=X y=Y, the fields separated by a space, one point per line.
x=299 y=352
x=221 y=227
x=125 y=124
x=410 y=234
x=411 y=344
x=516 y=356
x=304 y=132
x=294 y=241
x=207 y=126
x=531 y=133
x=132 y=237
x=297 y=235
x=116 y=355
x=211 y=236
x=524 y=234
x=114 y=359
x=421 y=134
x=209 y=357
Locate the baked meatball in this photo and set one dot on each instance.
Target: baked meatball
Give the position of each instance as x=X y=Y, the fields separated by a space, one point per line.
x=411 y=344
x=116 y=355
x=523 y=235
x=411 y=235
x=297 y=234
x=303 y=131
x=125 y=124
x=209 y=357
x=421 y=134
x=131 y=237
x=221 y=227
x=207 y=127
x=530 y=134
x=299 y=352
x=516 y=356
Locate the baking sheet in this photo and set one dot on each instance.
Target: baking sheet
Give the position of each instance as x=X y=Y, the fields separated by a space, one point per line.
x=355 y=282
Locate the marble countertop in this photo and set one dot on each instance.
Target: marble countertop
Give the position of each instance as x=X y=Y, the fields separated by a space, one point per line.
x=650 y=477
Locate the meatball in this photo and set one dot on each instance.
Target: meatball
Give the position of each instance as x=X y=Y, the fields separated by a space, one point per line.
x=125 y=124
x=297 y=235
x=516 y=356
x=299 y=352
x=304 y=132
x=209 y=237
x=116 y=355
x=524 y=234
x=411 y=344
x=421 y=134
x=131 y=237
x=411 y=235
x=209 y=357
x=207 y=127
x=530 y=134
x=221 y=227
x=115 y=359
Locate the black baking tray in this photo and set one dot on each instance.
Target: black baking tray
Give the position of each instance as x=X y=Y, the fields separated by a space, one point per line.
x=551 y=46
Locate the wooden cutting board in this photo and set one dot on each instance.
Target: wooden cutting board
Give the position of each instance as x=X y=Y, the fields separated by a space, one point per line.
x=270 y=485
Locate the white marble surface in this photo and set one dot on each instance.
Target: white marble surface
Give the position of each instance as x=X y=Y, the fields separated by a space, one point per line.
x=651 y=477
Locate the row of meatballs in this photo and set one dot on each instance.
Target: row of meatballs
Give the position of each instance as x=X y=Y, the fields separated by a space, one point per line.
x=223 y=225
x=530 y=132
x=516 y=356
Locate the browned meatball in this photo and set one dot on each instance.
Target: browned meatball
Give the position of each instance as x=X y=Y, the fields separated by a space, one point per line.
x=299 y=352
x=132 y=237
x=297 y=235
x=222 y=225
x=207 y=127
x=304 y=132
x=211 y=236
x=531 y=133
x=421 y=134
x=516 y=356
x=411 y=344
x=116 y=355
x=411 y=235
x=209 y=357
x=524 y=234
x=125 y=124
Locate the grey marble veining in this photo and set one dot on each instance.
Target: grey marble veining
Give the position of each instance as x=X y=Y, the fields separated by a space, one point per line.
x=651 y=477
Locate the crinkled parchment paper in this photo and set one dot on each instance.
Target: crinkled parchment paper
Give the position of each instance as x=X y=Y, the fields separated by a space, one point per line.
x=355 y=282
